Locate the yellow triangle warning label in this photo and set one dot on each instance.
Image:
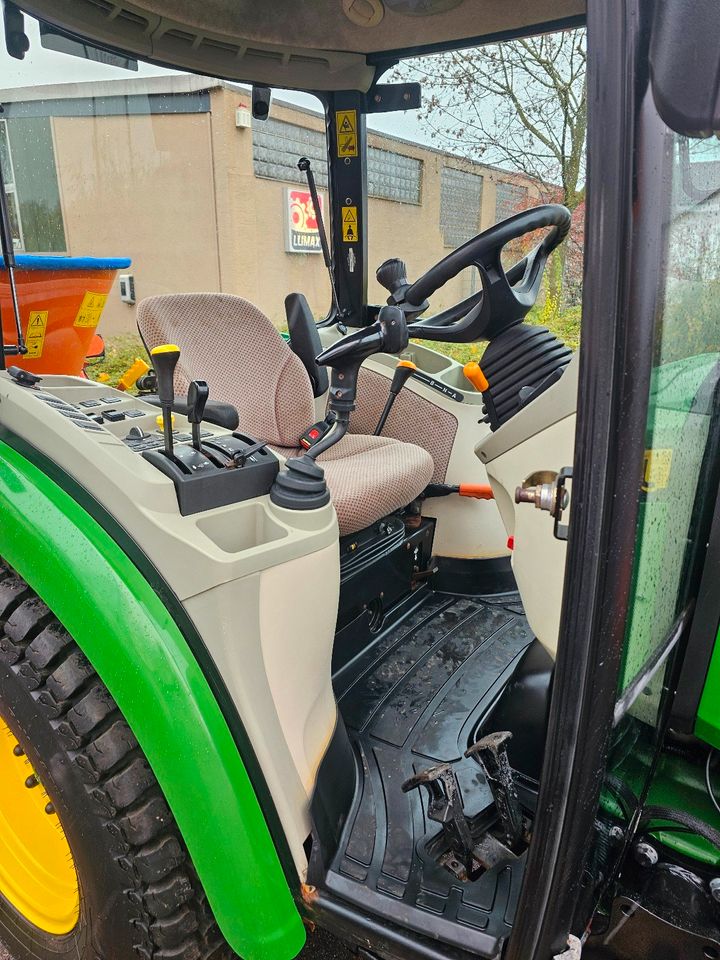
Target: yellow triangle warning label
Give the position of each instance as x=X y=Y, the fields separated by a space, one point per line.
x=349 y=224
x=346 y=132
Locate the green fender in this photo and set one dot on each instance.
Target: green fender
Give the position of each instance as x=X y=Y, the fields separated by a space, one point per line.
x=137 y=649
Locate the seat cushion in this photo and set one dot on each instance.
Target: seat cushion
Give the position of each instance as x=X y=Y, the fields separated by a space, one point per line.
x=369 y=477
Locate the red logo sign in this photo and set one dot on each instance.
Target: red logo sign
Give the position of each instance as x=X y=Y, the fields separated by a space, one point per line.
x=303 y=235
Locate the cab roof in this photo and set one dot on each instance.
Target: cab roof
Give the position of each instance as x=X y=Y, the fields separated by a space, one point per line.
x=304 y=44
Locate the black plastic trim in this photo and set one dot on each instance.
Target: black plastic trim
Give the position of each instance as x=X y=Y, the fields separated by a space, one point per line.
x=623 y=235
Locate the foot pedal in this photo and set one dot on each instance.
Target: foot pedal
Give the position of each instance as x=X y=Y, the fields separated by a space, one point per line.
x=446 y=808
x=492 y=754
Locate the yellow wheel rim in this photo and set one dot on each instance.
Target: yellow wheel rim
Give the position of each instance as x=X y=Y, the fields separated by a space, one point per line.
x=37 y=870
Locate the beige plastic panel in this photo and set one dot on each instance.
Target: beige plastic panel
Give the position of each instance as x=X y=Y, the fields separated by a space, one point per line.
x=540 y=437
x=243 y=572
x=465 y=527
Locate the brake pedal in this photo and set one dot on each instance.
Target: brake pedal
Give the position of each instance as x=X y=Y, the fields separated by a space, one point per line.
x=492 y=753
x=446 y=808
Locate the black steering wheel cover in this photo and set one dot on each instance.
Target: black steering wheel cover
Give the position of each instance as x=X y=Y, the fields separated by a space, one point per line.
x=485 y=248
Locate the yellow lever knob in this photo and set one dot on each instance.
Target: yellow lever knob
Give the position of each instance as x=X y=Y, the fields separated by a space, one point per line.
x=475 y=375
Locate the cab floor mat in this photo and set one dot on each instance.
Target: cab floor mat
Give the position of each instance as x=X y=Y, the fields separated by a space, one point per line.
x=409 y=702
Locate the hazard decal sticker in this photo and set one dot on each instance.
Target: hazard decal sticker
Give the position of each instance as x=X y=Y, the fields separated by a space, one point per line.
x=349 y=224
x=35 y=337
x=346 y=130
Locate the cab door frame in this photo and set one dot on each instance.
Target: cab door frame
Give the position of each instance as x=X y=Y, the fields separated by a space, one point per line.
x=619 y=299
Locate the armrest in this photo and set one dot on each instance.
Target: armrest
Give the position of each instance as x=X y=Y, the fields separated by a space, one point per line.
x=221 y=414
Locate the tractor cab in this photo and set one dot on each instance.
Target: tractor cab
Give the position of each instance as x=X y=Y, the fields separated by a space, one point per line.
x=372 y=605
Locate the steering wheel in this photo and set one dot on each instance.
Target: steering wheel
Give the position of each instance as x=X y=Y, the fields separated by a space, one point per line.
x=505 y=298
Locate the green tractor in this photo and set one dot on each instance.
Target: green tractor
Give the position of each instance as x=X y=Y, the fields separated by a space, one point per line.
x=422 y=656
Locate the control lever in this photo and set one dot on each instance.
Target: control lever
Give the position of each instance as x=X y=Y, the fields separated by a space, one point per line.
x=492 y=753
x=392 y=274
x=198 y=393
x=165 y=358
x=241 y=457
x=403 y=371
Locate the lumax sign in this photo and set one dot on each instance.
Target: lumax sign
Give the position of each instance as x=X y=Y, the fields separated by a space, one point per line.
x=302 y=230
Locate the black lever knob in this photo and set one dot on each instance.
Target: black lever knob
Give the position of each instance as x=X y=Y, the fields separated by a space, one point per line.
x=392 y=275
x=198 y=393
x=164 y=359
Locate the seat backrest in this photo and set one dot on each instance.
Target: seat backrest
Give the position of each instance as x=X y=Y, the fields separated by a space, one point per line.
x=230 y=343
x=305 y=340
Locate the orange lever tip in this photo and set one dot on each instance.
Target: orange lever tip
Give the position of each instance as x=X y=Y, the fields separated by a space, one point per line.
x=407 y=363
x=481 y=491
x=475 y=375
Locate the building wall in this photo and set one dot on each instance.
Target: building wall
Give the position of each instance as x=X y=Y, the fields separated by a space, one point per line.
x=142 y=187
x=177 y=193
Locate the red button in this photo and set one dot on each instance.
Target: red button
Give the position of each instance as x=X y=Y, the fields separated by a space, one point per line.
x=511 y=543
x=314 y=434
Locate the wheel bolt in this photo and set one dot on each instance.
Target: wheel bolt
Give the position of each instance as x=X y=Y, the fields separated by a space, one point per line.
x=32 y=781
x=49 y=808
x=18 y=750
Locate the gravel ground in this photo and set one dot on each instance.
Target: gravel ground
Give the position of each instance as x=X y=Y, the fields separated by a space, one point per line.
x=320 y=946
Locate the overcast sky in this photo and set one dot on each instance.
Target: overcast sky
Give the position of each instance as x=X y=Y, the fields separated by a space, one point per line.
x=42 y=66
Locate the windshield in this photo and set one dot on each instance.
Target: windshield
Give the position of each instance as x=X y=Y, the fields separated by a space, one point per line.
x=167 y=170
x=501 y=129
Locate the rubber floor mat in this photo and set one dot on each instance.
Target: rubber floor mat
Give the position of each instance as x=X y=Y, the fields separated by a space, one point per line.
x=411 y=701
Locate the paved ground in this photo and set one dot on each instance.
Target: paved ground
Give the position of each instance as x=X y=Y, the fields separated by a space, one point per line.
x=320 y=946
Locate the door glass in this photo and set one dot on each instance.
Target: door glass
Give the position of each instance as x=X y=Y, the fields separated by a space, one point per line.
x=684 y=378
x=675 y=484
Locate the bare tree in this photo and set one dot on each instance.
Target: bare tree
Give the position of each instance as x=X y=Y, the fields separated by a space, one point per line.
x=519 y=104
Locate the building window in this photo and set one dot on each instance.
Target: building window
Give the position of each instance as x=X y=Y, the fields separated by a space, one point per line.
x=8 y=173
x=28 y=165
x=277 y=147
x=393 y=176
x=510 y=198
x=460 y=205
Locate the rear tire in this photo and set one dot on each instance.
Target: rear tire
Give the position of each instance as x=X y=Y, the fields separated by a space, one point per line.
x=139 y=894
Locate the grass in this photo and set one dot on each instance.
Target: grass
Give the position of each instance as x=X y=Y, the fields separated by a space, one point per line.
x=120 y=352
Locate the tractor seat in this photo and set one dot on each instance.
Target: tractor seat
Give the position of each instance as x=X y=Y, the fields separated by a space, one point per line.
x=230 y=343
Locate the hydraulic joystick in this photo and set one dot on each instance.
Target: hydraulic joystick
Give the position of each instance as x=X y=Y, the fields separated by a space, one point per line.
x=165 y=358
x=198 y=393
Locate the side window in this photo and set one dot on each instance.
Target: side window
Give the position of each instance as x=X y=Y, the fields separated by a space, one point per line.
x=31 y=183
x=8 y=172
x=683 y=398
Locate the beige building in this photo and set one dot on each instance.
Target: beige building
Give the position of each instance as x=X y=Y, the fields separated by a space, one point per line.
x=171 y=172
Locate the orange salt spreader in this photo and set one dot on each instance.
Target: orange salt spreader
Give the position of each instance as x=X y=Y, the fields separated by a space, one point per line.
x=61 y=300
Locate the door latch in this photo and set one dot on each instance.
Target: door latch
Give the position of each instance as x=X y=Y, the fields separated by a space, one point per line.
x=546 y=489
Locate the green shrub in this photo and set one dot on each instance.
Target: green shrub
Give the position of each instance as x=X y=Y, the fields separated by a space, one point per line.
x=120 y=352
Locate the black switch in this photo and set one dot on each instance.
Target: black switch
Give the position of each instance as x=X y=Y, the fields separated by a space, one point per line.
x=114 y=415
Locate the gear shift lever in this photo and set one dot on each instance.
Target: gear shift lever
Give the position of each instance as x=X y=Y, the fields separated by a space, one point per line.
x=403 y=371
x=198 y=393
x=165 y=358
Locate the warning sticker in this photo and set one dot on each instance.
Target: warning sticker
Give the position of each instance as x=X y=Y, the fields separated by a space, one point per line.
x=90 y=309
x=349 y=224
x=35 y=336
x=346 y=130
x=656 y=475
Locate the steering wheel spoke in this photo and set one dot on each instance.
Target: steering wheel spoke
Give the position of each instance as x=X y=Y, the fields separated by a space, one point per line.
x=506 y=296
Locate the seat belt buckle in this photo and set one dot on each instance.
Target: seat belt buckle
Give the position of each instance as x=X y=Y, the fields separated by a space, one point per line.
x=314 y=433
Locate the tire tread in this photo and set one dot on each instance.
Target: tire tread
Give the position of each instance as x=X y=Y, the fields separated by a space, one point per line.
x=173 y=919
